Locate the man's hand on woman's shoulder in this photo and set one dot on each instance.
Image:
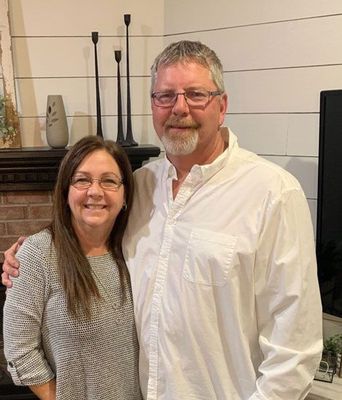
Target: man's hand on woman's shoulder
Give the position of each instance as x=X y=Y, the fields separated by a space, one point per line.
x=11 y=263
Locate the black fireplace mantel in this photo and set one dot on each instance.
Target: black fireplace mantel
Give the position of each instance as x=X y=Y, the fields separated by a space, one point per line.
x=36 y=168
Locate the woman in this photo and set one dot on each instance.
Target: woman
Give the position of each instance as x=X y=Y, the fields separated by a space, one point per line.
x=68 y=320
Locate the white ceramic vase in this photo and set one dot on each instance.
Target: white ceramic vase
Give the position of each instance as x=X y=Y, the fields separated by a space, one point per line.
x=57 y=134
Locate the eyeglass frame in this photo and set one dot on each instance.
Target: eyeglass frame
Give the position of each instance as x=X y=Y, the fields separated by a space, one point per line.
x=98 y=180
x=210 y=94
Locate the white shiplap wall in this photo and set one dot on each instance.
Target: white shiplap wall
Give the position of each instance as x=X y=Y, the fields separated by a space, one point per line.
x=277 y=57
x=54 y=54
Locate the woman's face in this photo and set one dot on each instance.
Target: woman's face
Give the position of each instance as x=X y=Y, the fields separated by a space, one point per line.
x=95 y=209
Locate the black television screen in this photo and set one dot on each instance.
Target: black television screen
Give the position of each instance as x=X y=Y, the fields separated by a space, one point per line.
x=329 y=202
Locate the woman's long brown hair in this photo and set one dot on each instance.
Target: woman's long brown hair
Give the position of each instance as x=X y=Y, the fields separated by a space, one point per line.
x=73 y=267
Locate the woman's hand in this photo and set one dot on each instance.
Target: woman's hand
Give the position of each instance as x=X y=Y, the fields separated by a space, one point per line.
x=46 y=391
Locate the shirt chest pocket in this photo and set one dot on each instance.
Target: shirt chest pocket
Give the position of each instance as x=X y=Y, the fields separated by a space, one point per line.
x=209 y=257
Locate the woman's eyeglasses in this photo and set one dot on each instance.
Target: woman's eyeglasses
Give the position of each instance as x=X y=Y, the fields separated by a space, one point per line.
x=107 y=182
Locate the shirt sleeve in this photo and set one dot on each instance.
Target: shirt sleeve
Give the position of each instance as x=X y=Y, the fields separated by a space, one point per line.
x=288 y=302
x=23 y=313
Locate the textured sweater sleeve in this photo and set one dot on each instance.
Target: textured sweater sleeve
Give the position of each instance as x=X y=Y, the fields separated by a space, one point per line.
x=23 y=313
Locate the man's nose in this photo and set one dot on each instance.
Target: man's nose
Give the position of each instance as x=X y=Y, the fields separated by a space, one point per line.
x=180 y=106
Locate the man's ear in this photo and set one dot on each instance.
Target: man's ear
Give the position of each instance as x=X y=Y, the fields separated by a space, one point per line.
x=223 y=107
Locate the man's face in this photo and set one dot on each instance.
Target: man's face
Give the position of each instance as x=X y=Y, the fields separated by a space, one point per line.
x=181 y=128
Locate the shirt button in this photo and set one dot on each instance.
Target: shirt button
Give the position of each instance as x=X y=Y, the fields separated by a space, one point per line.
x=11 y=364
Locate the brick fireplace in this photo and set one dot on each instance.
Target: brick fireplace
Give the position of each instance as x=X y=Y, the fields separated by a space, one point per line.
x=22 y=213
x=27 y=178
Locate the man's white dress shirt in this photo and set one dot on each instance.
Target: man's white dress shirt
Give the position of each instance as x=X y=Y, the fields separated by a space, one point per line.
x=224 y=282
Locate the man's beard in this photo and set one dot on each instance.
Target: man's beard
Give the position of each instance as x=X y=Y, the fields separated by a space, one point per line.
x=183 y=143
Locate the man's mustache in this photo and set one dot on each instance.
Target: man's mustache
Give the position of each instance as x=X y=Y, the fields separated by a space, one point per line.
x=178 y=123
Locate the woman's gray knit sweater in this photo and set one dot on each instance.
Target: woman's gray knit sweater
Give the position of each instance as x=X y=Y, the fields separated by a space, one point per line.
x=93 y=359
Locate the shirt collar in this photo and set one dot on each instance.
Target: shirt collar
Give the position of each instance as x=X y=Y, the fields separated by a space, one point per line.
x=205 y=172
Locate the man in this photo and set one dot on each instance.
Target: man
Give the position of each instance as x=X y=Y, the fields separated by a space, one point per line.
x=220 y=250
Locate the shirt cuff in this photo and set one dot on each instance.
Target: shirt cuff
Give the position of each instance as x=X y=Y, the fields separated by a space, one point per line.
x=31 y=369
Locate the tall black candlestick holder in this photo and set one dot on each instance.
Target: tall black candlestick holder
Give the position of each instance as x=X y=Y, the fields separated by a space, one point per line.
x=95 y=38
x=120 y=139
x=129 y=137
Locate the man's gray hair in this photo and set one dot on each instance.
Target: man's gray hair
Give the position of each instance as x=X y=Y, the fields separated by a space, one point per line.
x=186 y=51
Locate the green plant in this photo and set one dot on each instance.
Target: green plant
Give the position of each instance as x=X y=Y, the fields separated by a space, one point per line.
x=7 y=132
x=334 y=344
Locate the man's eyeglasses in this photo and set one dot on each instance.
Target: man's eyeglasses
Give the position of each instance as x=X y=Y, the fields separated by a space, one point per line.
x=107 y=182
x=194 y=98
